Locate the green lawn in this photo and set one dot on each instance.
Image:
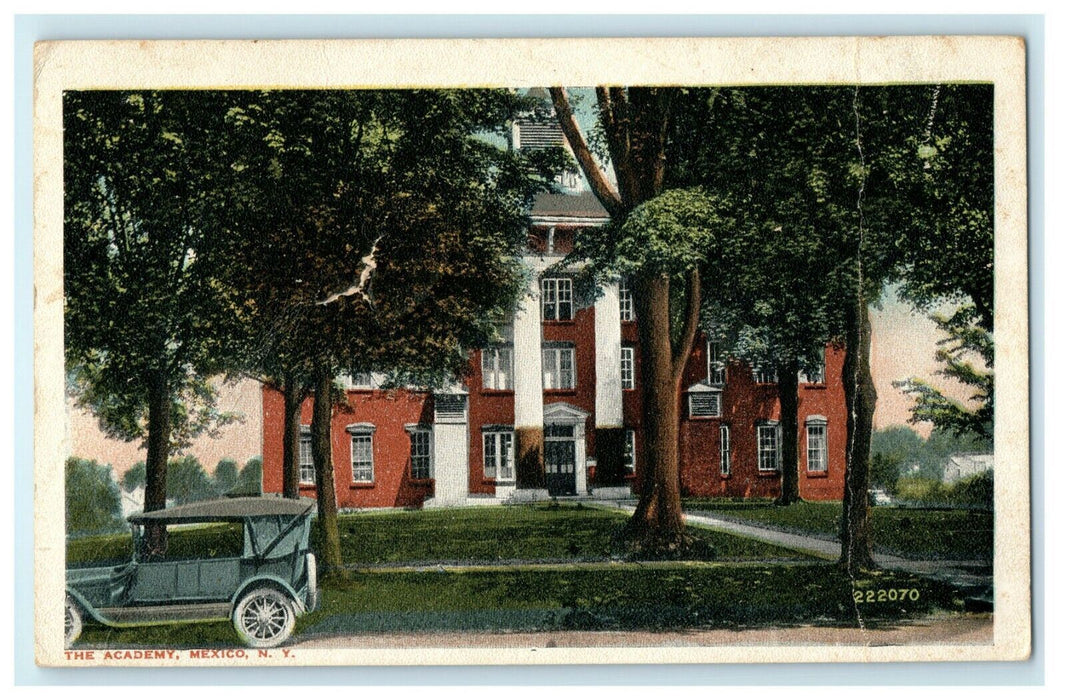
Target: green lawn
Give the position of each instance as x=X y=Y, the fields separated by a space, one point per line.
x=510 y=533
x=587 y=597
x=937 y=534
x=456 y=535
x=225 y=539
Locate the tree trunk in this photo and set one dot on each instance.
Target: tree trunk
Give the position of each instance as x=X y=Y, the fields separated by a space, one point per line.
x=788 y=388
x=856 y=551
x=610 y=456
x=294 y=395
x=657 y=521
x=155 y=471
x=529 y=458
x=329 y=541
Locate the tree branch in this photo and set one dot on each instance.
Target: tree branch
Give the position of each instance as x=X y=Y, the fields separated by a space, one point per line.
x=691 y=322
x=596 y=177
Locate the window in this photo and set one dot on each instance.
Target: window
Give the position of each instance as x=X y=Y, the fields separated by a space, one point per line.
x=769 y=447
x=499 y=455
x=705 y=404
x=817 y=456
x=421 y=454
x=307 y=462
x=813 y=374
x=557 y=299
x=362 y=380
x=497 y=368
x=715 y=364
x=629 y=457
x=559 y=368
x=764 y=375
x=363 y=457
x=625 y=300
x=628 y=380
x=725 y=459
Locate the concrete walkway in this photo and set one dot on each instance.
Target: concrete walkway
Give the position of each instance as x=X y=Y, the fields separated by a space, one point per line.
x=974 y=578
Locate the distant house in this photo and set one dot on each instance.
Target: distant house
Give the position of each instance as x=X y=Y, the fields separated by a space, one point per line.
x=963 y=466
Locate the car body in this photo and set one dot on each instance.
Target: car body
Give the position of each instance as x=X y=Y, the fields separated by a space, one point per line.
x=245 y=559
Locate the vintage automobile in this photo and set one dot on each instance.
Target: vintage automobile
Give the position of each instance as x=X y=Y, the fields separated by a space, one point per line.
x=242 y=559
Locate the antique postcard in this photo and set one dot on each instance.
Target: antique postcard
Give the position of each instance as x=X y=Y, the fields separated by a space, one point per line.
x=534 y=351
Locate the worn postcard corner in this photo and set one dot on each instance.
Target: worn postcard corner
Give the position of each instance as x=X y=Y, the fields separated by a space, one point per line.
x=483 y=352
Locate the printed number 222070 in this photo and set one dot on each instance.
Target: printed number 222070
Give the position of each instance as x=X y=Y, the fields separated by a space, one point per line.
x=885 y=595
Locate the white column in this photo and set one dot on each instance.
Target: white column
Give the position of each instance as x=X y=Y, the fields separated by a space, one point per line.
x=528 y=380
x=608 y=359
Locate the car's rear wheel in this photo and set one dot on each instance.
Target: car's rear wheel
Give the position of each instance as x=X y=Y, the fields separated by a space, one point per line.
x=264 y=618
x=71 y=622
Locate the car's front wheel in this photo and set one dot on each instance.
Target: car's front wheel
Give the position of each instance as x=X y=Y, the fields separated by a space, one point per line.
x=264 y=618
x=71 y=622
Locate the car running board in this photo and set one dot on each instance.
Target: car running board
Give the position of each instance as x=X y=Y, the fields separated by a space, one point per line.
x=161 y=614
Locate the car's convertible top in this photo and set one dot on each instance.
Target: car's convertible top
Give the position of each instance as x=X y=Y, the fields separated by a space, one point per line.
x=228 y=508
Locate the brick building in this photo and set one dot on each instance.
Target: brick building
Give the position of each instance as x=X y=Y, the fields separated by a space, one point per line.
x=566 y=381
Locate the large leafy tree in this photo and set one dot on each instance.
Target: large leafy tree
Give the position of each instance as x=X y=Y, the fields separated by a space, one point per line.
x=946 y=257
x=144 y=326
x=371 y=231
x=774 y=152
x=634 y=124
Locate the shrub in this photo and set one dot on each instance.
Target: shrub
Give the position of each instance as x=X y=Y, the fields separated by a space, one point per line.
x=93 y=503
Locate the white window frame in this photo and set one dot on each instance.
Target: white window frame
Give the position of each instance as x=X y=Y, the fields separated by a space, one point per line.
x=716 y=368
x=629 y=367
x=307 y=460
x=360 y=473
x=725 y=456
x=626 y=310
x=768 y=446
x=629 y=452
x=361 y=380
x=763 y=376
x=817 y=377
x=418 y=437
x=555 y=292
x=553 y=361
x=817 y=450
x=497 y=460
x=497 y=368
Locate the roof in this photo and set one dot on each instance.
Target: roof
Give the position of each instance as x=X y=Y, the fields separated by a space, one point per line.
x=973 y=461
x=581 y=205
x=226 y=508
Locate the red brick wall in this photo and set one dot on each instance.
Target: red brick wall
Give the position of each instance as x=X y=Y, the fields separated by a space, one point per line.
x=389 y=412
x=487 y=407
x=744 y=403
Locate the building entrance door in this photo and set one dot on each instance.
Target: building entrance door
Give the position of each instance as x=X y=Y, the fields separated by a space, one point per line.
x=560 y=457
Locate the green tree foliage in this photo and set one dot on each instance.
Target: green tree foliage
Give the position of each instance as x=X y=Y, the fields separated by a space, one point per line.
x=966 y=354
x=250 y=479
x=942 y=239
x=225 y=475
x=134 y=477
x=371 y=230
x=899 y=453
x=93 y=502
x=188 y=482
x=786 y=269
x=144 y=326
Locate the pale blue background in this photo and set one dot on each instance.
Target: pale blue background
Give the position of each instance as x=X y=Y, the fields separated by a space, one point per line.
x=29 y=29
